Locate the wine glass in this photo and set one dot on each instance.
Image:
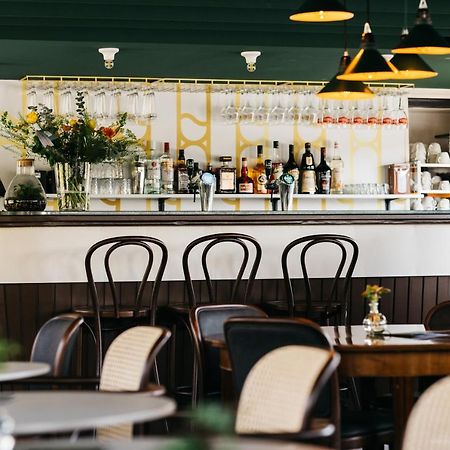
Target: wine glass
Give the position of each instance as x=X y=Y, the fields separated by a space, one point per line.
x=148 y=110
x=32 y=95
x=66 y=103
x=246 y=112
x=277 y=113
x=230 y=113
x=261 y=112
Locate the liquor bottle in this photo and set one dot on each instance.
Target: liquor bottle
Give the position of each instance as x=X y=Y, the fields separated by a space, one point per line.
x=323 y=174
x=190 y=171
x=226 y=176
x=210 y=169
x=244 y=182
x=291 y=168
x=152 y=184
x=167 y=172
x=308 y=172
x=259 y=172
x=277 y=163
x=337 y=170
x=182 y=177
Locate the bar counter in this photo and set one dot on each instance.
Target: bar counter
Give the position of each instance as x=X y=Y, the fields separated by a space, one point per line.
x=195 y=218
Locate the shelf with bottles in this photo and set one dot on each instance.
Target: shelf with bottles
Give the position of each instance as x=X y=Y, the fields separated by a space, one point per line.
x=258 y=196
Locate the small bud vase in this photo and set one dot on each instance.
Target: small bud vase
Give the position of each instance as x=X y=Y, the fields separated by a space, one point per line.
x=375 y=322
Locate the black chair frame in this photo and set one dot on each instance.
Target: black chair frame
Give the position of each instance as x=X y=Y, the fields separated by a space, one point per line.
x=309 y=242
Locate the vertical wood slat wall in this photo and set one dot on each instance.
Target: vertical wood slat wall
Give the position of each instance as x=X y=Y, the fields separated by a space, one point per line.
x=25 y=307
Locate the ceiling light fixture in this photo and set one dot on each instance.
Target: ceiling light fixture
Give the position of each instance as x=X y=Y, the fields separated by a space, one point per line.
x=250 y=59
x=321 y=11
x=423 y=39
x=411 y=66
x=108 y=55
x=368 y=64
x=337 y=89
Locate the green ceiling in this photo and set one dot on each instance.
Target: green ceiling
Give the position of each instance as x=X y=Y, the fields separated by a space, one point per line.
x=195 y=39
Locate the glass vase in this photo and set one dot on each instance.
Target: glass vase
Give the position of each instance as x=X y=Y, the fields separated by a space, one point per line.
x=375 y=322
x=73 y=183
x=25 y=192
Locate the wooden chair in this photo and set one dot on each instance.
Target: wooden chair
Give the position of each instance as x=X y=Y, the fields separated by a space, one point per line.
x=249 y=339
x=428 y=425
x=176 y=315
x=117 y=317
x=281 y=390
x=320 y=308
x=55 y=342
x=438 y=317
x=127 y=365
x=207 y=321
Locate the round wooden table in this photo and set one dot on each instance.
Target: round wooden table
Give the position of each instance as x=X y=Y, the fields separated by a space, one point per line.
x=38 y=412
x=18 y=370
x=162 y=443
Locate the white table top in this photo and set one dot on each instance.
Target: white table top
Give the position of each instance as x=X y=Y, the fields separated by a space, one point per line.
x=18 y=370
x=162 y=444
x=36 y=412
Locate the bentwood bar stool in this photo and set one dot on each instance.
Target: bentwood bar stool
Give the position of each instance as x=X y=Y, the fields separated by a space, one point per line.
x=332 y=299
x=116 y=317
x=245 y=257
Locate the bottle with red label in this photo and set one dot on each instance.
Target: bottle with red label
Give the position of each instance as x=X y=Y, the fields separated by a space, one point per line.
x=244 y=182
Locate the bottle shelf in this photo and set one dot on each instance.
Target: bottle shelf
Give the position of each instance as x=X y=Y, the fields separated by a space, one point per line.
x=262 y=196
x=435 y=166
x=436 y=192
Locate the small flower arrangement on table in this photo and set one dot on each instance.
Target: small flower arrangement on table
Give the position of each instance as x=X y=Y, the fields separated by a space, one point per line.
x=375 y=322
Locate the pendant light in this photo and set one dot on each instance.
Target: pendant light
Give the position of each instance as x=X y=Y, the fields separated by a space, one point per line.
x=410 y=66
x=345 y=90
x=423 y=39
x=337 y=89
x=368 y=64
x=321 y=11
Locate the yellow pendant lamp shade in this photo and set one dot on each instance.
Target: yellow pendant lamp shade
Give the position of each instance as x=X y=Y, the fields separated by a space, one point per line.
x=368 y=64
x=410 y=66
x=345 y=90
x=321 y=11
x=423 y=39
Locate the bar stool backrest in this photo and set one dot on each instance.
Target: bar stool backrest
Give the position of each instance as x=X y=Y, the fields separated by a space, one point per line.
x=115 y=243
x=349 y=252
x=55 y=341
x=243 y=241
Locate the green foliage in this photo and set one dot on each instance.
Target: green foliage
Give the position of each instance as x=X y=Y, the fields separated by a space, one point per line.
x=8 y=350
x=61 y=140
x=208 y=420
x=28 y=192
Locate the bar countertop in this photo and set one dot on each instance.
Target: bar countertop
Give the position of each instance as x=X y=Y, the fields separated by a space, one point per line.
x=196 y=218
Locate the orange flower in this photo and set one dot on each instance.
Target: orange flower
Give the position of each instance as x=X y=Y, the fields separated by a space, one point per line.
x=108 y=132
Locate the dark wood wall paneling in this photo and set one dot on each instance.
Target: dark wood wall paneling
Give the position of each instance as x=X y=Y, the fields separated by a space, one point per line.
x=25 y=307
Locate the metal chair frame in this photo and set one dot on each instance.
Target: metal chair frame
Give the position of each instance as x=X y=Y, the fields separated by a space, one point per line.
x=309 y=242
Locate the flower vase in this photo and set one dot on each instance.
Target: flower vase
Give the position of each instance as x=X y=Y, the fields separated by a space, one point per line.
x=25 y=192
x=73 y=186
x=375 y=322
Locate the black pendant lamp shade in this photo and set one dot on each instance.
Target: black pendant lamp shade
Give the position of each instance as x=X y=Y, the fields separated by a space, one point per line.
x=321 y=11
x=368 y=64
x=345 y=90
x=423 y=39
x=411 y=66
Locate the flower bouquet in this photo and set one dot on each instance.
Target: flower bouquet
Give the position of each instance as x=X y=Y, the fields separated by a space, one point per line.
x=69 y=145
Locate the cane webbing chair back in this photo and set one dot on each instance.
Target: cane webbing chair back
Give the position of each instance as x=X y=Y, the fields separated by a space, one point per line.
x=127 y=366
x=281 y=389
x=129 y=358
x=428 y=425
x=250 y=261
